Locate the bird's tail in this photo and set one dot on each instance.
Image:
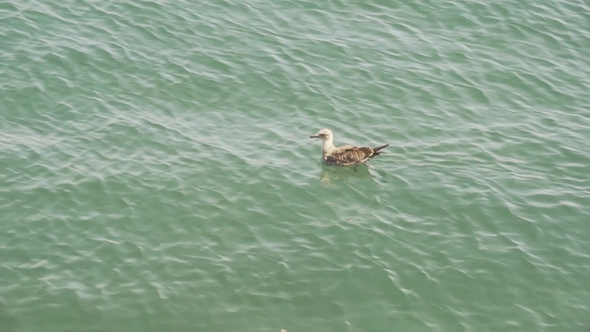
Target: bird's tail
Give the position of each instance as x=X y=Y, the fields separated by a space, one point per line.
x=379 y=148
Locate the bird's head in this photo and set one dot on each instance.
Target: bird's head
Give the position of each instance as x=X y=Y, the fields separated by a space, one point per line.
x=324 y=135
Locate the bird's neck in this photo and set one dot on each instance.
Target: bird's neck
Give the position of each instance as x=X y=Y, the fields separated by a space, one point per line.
x=328 y=146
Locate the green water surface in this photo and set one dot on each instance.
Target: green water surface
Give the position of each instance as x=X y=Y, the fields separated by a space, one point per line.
x=156 y=172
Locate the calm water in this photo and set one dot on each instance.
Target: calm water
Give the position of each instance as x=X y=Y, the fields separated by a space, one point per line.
x=156 y=172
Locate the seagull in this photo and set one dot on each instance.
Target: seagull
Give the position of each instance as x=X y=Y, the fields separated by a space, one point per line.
x=346 y=155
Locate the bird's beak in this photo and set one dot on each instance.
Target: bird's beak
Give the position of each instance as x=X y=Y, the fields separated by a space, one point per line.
x=314 y=136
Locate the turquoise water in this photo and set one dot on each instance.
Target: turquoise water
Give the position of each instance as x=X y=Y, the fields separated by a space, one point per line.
x=156 y=172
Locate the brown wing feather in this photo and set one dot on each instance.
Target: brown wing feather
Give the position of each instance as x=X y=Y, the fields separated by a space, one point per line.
x=350 y=156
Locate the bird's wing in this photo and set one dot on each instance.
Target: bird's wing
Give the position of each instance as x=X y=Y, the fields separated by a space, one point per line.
x=349 y=155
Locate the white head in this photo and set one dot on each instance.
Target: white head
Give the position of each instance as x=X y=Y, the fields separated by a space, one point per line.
x=324 y=135
x=327 y=139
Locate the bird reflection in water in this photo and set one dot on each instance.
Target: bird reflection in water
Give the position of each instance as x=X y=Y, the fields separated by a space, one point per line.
x=343 y=173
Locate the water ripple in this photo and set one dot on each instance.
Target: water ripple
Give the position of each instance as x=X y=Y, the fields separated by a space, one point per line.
x=157 y=171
